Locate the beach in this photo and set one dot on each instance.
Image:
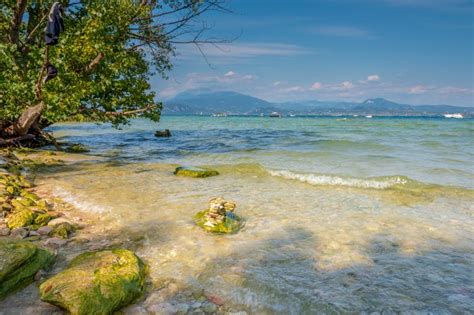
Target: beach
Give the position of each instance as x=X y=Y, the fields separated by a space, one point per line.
x=341 y=215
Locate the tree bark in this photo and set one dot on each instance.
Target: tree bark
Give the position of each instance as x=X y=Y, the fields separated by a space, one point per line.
x=16 y=20
x=27 y=119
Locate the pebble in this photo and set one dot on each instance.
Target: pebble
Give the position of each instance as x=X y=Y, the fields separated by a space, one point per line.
x=209 y=307
x=134 y=310
x=44 y=230
x=196 y=305
x=162 y=309
x=54 y=242
x=19 y=232
x=182 y=308
x=216 y=299
x=34 y=233
x=4 y=231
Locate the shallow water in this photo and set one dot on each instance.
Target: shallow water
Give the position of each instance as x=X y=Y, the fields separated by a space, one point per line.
x=341 y=216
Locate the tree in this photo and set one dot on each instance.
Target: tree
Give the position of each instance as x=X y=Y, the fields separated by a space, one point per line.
x=105 y=58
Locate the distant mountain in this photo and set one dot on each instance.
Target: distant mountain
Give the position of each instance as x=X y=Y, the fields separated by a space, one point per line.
x=233 y=103
x=217 y=102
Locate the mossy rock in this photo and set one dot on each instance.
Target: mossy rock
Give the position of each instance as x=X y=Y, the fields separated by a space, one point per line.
x=77 y=148
x=231 y=224
x=19 y=262
x=43 y=219
x=63 y=230
x=195 y=172
x=21 y=218
x=96 y=283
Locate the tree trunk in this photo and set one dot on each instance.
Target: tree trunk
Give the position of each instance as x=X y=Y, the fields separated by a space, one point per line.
x=29 y=117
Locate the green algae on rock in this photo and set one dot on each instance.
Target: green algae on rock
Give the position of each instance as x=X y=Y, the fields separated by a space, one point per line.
x=63 y=230
x=219 y=217
x=21 y=218
x=77 y=148
x=96 y=282
x=195 y=172
x=19 y=262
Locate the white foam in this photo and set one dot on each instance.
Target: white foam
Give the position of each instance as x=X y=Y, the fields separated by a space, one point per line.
x=78 y=202
x=328 y=180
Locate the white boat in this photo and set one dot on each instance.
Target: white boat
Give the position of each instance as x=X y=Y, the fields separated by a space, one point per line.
x=219 y=115
x=275 y=114
x=459 y=116
x=369 y=116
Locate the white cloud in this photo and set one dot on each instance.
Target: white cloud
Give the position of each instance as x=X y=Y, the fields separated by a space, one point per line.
x=249 y=77
x=316 y=86
x=418 y=89
x=229 y=74
x=347 y=85
x=296 y=88
x=373 y=78
x=277 y=83
x=241 y=50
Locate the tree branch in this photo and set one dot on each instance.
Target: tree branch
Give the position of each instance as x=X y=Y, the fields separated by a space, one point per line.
x=16 y=20
x=95 y=62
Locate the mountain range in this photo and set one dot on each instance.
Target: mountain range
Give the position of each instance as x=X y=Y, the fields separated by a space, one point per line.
x=233 y=103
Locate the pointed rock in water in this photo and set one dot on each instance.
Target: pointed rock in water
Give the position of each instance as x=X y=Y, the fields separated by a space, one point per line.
x=195 y=172
x=219 y=217
x=96 y=282
x=19 y=263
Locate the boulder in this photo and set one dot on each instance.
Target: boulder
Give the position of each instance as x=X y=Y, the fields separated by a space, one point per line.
x=195 y=172
x=96 y=282
x=63 y=230
x=19 y=263
x=163 y=133
x=21 y=218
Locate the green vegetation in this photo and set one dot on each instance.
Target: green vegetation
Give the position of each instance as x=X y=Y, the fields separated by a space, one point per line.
x=96 y=283
x=20 y=261
x=104 y=58
x=195 y=172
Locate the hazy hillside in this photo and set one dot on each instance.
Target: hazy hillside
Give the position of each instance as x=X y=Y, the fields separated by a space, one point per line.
x=233 y=103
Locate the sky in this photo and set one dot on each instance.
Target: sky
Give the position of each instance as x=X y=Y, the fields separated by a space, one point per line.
x=408 y=51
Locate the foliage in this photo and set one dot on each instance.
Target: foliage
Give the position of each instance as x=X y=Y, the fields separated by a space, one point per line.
x=105 y=57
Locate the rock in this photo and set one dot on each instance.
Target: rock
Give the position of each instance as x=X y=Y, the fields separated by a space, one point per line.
x=33 y=233
x=19 y=232
x=216 y=299
x=77 y=148
x=4 y=231
x=44 y=230
x=54 y=242
x=20 y=218
x=195 y=172
x=163 y=133
x=219 y=217
x=182 y=308
x=19 y=263
x=209 y=307
x=43 y=219
x=58 y=221
x=96 y=282
x=63 y=230
x=162 y=309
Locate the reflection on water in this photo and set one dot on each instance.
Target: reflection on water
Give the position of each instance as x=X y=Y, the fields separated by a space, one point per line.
x=341 y=216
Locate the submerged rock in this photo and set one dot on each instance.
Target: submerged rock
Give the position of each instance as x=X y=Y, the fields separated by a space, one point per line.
x=77 y=148
x=195 y=172
x=19 y=263
x=96 y=282
x=163 y=133
x=219 y=217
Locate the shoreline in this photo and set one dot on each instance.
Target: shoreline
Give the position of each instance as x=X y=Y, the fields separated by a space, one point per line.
x=93 y=233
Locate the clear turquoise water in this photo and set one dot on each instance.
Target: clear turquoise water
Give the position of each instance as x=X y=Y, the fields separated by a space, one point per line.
x=342 y=215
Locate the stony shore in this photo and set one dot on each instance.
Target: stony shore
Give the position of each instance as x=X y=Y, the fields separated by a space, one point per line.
x=66 y=233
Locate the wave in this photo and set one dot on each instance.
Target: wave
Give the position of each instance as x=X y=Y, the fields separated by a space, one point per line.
x=331 y=180
x=79 y=203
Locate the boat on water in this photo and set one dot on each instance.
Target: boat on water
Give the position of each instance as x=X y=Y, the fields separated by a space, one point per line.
x=219 y=115
x=459 y=116
x=275 y=115
x=369 y=116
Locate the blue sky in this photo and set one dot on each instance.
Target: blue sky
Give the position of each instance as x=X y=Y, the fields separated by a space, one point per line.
x=409 y=51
